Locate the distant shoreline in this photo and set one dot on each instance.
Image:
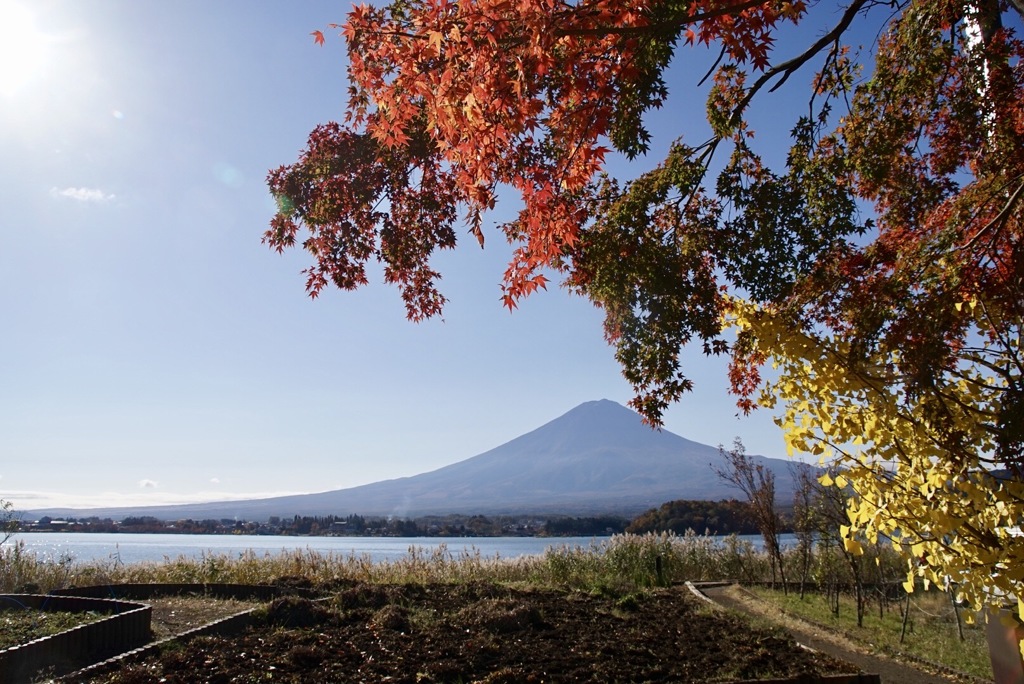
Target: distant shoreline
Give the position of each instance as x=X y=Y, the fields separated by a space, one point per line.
x=458 y=526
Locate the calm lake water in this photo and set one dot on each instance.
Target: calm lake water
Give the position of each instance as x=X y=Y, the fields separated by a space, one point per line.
x=139 y=548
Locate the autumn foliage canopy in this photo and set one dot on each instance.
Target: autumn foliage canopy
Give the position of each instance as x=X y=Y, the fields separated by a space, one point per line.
x=882 y=260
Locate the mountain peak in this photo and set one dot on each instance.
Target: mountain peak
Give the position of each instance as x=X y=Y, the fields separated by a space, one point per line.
x=598 y=457
x=602 y=405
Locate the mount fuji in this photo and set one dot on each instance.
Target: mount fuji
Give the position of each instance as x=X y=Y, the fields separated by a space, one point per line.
x=599 y=458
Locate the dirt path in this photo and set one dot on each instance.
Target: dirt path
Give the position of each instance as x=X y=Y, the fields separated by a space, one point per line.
x=892 y=672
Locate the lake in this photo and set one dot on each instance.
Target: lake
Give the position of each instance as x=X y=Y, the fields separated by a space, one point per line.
x=139 y=548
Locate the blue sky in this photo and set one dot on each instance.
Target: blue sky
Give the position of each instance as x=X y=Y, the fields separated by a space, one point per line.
x=154 y=351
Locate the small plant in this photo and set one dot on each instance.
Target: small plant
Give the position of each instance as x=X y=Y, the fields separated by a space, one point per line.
x=631 y=602
x=8 y=521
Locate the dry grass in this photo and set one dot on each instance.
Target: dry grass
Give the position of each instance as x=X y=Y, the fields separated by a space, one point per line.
x=931 y=633
x=640 y=560
x=22 y=625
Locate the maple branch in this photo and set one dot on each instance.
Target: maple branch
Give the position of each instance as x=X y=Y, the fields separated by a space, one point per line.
x=714 y=66
x=832 y=58
x=704 y=159
x=626 y=31
x=999 y=218
x=674 y=24
x=789 y=67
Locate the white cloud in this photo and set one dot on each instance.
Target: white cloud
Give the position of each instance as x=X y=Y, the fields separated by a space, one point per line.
x=214 y=480
x=148 y=484
x=94 y=195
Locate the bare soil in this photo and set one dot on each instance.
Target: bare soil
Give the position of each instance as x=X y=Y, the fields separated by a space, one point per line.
x=173 y=615
x=485 y=633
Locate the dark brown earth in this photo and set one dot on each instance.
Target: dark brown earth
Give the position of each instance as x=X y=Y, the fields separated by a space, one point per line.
x=485 y=633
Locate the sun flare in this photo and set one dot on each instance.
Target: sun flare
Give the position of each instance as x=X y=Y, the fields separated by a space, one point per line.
x=22 y=47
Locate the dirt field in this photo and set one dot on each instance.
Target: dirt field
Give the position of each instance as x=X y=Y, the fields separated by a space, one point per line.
x=485 y=633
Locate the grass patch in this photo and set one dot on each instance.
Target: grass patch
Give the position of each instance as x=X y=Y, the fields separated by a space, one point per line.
x=931 y=631
x=22 y=625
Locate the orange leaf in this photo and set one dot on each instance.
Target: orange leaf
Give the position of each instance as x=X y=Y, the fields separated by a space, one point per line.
x=436 y=39
x=475 y=230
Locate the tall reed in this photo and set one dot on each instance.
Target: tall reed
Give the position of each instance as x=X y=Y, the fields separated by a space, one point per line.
x=622 y=561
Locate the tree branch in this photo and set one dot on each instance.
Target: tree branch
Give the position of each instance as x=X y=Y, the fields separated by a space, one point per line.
x=659 y=26
x=787 y=68
x=999 y=218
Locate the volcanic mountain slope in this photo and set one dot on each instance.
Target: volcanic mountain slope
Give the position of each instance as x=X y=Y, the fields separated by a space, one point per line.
x=597 y=458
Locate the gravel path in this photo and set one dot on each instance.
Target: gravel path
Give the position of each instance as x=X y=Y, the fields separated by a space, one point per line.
x=735 y=598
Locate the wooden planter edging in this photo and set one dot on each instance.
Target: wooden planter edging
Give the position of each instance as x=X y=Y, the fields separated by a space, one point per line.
x=226 y=627
x=141 y=592
x=229 y=626
x=127 y=628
